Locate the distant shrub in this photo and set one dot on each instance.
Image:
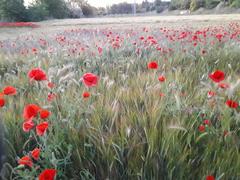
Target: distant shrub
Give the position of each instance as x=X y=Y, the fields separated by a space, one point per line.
x=175 y=4
x=38 y=12
x=88 y=10
x=196 y=4
x=209 y=4
x=121 y=8
x=235 y=4
x=56 y=8
x=13 y=10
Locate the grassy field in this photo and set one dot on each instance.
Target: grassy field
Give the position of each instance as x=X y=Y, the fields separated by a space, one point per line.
x=122 y=98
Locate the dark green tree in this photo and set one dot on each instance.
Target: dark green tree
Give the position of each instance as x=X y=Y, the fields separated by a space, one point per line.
x=38 y=11
x=56 y=8
x=13 y=10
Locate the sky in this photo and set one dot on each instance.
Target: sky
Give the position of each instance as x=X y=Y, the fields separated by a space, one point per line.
x=103 y=3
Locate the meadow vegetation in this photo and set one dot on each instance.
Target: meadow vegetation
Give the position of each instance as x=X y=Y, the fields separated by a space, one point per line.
x=127 y=103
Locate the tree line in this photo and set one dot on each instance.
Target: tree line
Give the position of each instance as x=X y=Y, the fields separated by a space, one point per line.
x=159 y=6
x=14 y=10
x=196 y=4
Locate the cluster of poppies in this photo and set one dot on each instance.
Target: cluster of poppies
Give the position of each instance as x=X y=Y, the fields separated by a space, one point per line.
x=28 y=161
x=30 y=112
x=7 y=91
x=217 y=77
x=154 y=65
x=89 y=80
x=18 y=24
x=33 y=113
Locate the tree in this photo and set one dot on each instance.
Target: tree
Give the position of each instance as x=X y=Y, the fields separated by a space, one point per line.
x=86 y=8
x=196 y=4
x=146 y=5
x=211 y=3
x=161 y=5
x=175 y=4
x=56 y=8
x=121 y=8
x=78 y=3
x=13 y=10
x=38 y=12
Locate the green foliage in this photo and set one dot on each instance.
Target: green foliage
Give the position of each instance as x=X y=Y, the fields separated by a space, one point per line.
x=175 y=4
x=209 y=4
x=121 y=8
x=126 y=130
x=88 y=10
x=38 y=12
x=161 y=5
x=196 y=4
x=13 y=10
x=235 y=3
x=56 y=8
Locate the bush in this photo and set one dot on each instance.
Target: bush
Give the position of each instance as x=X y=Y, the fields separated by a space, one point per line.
x=38 y=12
x=185 y=4
x=88 y=10
x=13 y=10
x=56 y=8
x=121 y=8
x=175 y=4
x=235 y=4
x=196 y=4
x=209 y=4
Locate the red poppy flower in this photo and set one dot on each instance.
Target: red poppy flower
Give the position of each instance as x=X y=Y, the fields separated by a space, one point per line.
x=210 y=178
x=90 y=79
x=225 y=133
x=204 y=51
x=26 y=161
x=51 y=85
x=48 y=174
x=1 y=94
x=211 y=94
x=153 y=65
x=37 y=74
x=201 y=128
x=28 y=125
x=2 y=102
x=41 y=128
x=161 y=94
x=223 y=85
x=51 y=96
x=232 y=104
x=217 y=76
x=44 y=114
x=206 y=122
x=34 y=50
x=86 y=95
x=161 y=78
x=35 y=153
x=9 y=90
x=30 y=111
x=100 y=50
x=219 y=37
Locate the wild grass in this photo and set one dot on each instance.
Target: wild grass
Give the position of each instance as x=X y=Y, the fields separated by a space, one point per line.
x=125 y=130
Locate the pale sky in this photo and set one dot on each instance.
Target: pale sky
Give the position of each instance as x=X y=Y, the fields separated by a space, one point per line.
x=104 y=3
